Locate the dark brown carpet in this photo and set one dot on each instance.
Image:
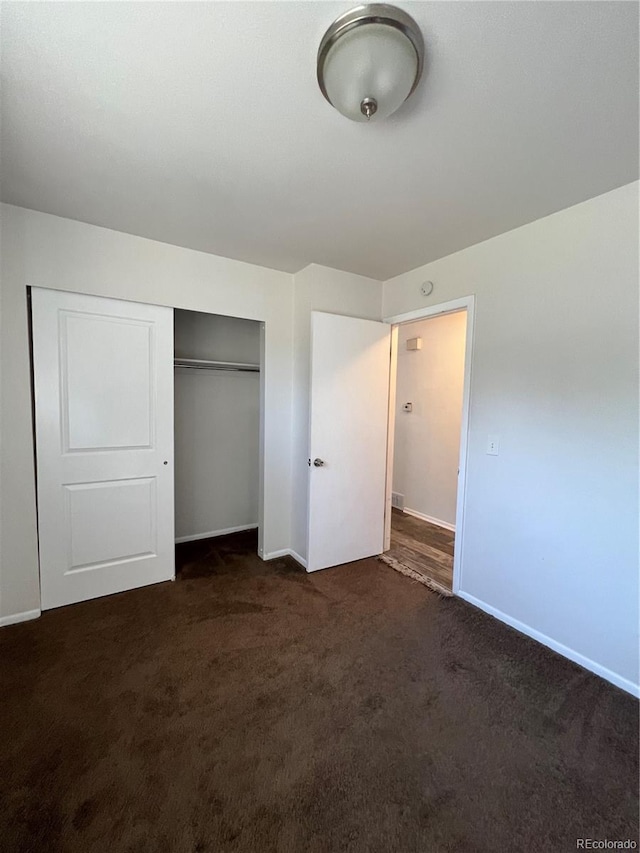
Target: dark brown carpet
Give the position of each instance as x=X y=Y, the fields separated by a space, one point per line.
x=252 y=707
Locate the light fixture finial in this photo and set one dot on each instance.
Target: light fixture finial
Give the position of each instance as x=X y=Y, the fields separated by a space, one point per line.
x=368 y=107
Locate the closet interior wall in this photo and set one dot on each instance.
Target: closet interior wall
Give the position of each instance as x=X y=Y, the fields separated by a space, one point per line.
x=217 y=420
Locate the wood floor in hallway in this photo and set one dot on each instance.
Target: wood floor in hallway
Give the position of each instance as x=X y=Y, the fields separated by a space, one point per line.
x=423 y=547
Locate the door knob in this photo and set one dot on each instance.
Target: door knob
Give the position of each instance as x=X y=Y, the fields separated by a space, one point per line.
x=318 y=463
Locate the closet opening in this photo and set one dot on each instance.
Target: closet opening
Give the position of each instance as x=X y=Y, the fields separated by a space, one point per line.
x=217 y=434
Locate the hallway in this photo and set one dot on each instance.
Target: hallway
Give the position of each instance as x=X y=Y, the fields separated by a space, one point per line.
x=423 y=547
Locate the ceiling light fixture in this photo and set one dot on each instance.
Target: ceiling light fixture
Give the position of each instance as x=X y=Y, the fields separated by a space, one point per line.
x=370 y=61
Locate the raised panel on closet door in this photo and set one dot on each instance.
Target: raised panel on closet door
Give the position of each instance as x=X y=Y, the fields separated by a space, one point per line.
x=109 y=414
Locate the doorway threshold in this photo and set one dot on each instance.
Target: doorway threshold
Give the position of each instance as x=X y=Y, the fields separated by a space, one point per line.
x=396 y=564
x=421 y=550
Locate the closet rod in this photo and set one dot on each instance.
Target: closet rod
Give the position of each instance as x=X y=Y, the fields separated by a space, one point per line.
x=206 y=364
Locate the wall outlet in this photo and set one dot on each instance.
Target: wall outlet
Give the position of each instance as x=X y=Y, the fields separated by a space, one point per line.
x=493 y=445
x=397 y=500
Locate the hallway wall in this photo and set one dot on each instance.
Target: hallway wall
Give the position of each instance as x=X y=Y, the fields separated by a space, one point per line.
x=427 y=439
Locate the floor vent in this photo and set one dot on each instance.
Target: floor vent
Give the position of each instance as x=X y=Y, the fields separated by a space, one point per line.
x=397 y=500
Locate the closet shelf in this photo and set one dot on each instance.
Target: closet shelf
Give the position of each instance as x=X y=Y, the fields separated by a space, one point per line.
x=206 y=364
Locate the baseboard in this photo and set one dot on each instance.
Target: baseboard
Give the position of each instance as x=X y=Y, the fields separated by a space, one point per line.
x=430 y=519
x=19 y=617
x=298 y=558
x=213 y=533
x=286 y=552
x=565 y=651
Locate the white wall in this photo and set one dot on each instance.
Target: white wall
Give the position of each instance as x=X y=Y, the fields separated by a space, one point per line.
x=48 y=251
x=427 y=439
x=212 y=336
x=217 y=420
x=551 y=524
x=318 y=288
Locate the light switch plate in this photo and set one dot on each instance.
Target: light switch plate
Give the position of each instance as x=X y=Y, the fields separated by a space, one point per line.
x=493 y=445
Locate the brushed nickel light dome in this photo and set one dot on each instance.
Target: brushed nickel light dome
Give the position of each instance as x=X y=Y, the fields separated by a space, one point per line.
x=370 y=60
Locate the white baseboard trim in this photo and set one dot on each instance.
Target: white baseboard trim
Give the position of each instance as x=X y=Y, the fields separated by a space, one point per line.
x=565 y=651
x=431 y=519
x=286 y=552
x=19 y=617
x=273 y=555
x=213 y=533
x=298 y=558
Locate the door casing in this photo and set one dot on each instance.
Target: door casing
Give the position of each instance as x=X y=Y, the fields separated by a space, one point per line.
x=466 y=303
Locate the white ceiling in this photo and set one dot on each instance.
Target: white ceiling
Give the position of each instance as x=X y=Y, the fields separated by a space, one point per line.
x=201 y=124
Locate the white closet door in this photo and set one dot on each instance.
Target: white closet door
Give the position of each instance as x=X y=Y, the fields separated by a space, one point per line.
x=350 y=361
x=103 y=372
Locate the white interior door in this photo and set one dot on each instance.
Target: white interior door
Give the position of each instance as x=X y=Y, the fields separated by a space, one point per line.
x=103 y=373
x=348 y=438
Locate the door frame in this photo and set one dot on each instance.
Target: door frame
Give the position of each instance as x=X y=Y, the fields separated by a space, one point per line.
x=464 y=303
